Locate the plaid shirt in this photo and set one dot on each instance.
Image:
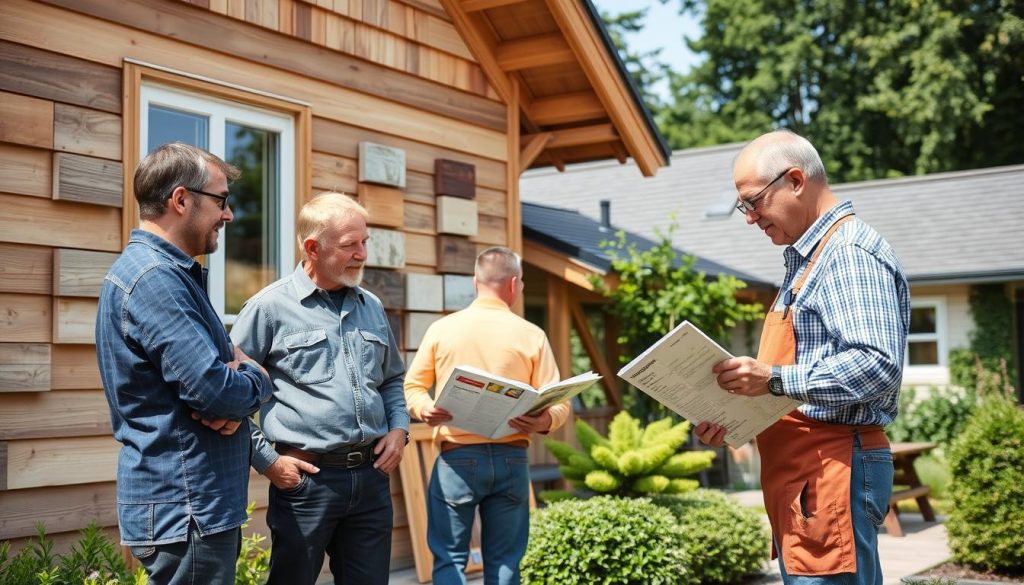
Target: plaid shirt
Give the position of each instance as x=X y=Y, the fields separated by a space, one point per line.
x=850 y=319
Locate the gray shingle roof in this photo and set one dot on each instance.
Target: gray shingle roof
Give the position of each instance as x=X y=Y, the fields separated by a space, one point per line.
x=959 y=226
x=580 y=237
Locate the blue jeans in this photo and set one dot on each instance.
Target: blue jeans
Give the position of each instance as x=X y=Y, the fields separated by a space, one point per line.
x=495 y=478
x=871 y=476
x=345 y=513
x=200 y=560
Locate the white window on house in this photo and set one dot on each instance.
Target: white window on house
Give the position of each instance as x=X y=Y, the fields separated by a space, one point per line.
x=926 y=359
x=258 y=246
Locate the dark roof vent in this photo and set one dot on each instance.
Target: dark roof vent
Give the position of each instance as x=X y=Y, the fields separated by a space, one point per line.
x=606 y=215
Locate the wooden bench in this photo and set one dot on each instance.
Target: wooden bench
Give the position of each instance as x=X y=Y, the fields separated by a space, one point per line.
x=903 y=457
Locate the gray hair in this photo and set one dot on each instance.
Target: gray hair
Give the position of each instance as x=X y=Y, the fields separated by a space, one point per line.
x=171 y=166
x=317 y=216
x=495 y=266
x=783 y=149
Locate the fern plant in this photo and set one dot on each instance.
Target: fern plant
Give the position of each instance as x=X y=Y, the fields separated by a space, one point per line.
x=632 y=460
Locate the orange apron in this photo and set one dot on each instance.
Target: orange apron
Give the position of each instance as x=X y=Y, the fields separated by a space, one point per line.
x=805 y=469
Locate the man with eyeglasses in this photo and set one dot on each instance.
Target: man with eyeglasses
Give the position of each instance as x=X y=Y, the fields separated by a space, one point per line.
x=177 y=389
x=834 y=340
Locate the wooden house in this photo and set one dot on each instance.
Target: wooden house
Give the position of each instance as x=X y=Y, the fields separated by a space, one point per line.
x=428 y=110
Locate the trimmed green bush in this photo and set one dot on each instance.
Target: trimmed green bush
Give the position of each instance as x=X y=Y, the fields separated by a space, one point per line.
x=604 y=541
x=938 y=417
x=93 y=560
x=632 y=461
x=986 y=524
x=722 y=541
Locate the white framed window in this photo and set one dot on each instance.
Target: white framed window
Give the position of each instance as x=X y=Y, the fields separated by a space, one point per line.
x=926 y=358
x=258 y=246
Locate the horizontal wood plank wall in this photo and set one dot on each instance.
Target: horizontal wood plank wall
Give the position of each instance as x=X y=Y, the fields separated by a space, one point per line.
x=394 y=72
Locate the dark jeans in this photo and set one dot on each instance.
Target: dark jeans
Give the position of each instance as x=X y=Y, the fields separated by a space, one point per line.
x=343 y=512
x=495 y=479
x=201 y=560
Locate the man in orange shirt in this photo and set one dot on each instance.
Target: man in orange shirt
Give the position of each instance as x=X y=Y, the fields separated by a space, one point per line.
x=473 y=471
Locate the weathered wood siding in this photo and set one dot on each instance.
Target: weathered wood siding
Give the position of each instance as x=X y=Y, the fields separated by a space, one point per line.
x=392 y=72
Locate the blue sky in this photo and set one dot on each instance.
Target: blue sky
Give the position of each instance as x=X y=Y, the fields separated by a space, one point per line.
x=664 y=29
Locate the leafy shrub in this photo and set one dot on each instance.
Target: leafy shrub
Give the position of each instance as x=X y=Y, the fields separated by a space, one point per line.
x=986 y=523
x=96 y=560
x=722 y=541
x=604 y=541
x=939 y=416
x=93 y=560
x=632 y=461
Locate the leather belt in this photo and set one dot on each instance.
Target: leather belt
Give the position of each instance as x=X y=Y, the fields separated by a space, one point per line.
x=344 y=457
x=448 y=446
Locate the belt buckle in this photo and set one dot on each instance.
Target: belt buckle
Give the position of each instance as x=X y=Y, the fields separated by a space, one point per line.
x=354 y=459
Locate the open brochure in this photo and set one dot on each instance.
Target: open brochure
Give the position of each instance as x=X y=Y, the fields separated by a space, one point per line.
x=676 y=371
x=483 y=403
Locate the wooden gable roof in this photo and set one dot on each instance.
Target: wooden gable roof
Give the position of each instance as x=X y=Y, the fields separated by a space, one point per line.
x=554 y=58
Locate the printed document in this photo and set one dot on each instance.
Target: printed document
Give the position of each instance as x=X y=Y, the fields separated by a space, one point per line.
x=483 y=403
x=676 y=371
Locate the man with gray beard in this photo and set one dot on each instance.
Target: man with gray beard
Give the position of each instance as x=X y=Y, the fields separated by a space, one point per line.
x=337 y=417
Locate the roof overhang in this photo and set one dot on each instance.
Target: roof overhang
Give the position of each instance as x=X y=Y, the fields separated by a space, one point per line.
x=554 y=59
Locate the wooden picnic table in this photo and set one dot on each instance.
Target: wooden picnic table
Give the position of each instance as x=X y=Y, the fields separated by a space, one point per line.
x=903 y=457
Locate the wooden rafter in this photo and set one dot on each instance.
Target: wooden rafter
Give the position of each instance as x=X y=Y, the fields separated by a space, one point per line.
x=599 y=67
x=596 y=134
x=478 y=5
x=611 y=383
x=533 y=145
x=535 y=51
x=476 y=33
x=566 y=108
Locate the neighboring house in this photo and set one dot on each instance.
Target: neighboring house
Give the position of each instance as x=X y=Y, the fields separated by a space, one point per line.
x=428 y=110
x=950 y=230
x=562 y=251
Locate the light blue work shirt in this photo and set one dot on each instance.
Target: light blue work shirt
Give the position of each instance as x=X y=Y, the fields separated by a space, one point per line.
x=336 y=369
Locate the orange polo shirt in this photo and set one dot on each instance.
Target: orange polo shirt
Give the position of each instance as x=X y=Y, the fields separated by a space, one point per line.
x=489 y=336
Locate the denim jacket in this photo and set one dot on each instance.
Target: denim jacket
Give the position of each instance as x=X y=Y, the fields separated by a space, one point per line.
x=163 y=355
x=335 y=365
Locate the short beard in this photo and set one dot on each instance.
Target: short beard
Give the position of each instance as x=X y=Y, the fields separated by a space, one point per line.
x=352 y=282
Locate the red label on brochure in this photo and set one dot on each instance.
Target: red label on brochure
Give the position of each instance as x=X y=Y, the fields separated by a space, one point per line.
x=470 y=381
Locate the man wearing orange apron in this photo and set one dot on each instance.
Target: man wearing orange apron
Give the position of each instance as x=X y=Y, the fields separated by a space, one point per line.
x=834 y=339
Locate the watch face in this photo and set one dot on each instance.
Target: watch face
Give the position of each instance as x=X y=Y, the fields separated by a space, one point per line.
x=775 y=385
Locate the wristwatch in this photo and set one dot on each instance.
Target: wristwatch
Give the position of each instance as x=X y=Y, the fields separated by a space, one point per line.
x=775 y=382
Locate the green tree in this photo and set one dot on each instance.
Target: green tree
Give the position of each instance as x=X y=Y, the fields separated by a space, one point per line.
x=657 y=290
x=881 y=88
x=644 y=68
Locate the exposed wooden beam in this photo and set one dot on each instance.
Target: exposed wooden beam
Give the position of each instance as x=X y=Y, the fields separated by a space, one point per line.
x=559 y=324
x=566 y=108
x=620 y=152
x=533 y=145
x=475 y=31
x=568 y=269
x=597 y=360
x=535 y=51
x=596 y=134
x=601 y=70
x=478 y=5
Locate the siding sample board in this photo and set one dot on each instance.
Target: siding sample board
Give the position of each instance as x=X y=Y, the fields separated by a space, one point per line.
x=458 y=292
x=24 y=367
x=26 y=269
x=87 y=180
x=424 y=292
x=381 y=164
x=86 y=131
x=388 y=285
x=26 y=120
x=385 y=249
x=416 y=325
x=80 y=273
x=457 y=216
x=455 y=255
x=386 y=205
x=454 y=178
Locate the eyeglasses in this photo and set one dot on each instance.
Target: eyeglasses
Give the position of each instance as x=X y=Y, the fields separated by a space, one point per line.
x=746 y=206
x=222 y=199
